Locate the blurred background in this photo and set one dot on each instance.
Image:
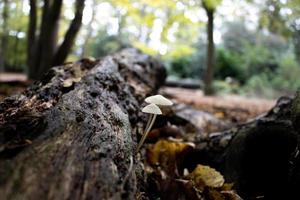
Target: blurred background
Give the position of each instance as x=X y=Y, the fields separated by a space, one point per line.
x=245 y=47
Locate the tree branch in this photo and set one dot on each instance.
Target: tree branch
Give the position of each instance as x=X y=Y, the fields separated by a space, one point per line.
x=70 y=36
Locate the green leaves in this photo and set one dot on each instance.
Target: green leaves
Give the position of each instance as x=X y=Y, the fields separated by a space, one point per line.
x=211 y=4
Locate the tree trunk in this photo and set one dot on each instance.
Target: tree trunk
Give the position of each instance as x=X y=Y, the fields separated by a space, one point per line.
x=50 y=34
x=66 y=46
x=42 y=49
x=64 y=139
x=209 y=74
x=31 y=40
x=4 y=38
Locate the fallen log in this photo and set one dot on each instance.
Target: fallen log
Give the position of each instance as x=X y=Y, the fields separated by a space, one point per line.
x=261 y=157
x=72 y=135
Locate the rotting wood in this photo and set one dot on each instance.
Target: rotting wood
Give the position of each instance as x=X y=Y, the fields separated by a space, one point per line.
x=75 y=140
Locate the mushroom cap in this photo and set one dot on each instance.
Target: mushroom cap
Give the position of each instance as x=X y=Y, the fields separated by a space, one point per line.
x=152 y=109
x=159 y=100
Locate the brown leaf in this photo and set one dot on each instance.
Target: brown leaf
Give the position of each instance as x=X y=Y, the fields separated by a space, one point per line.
x=205 y=176
x=168 y=154
x=231 y=195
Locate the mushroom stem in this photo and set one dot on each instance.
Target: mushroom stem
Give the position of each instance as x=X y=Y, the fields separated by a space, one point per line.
x=148 y=122
x=147 y=130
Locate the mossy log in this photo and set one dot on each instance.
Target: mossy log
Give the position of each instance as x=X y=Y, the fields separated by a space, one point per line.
x=72 y=135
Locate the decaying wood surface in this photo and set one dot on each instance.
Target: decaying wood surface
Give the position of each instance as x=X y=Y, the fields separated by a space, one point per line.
x=72 y=135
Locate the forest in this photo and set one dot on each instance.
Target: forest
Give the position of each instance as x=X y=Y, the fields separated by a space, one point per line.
x=150 y=99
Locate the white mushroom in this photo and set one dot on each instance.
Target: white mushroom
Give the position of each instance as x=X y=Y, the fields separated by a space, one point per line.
x=159 y=100
x=153 y=110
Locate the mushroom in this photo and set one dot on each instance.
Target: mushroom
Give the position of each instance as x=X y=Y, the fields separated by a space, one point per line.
x=154 y=110
x=159 y=100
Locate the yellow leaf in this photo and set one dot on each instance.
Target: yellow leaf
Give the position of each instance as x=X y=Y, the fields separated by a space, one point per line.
x=205 y=176
x=219 y=115
x=227 y=187
x=167 y=154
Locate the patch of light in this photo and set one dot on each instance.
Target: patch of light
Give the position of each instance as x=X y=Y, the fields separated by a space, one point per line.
x=133 y=30
x=113 y=26
x=68 y=13
x=172 y=31
x=179 y=5
x=26 y=7
x=286 y=11
x=163 y=49
x=157 y=29
x=283 y=1
x=217 y=37
x=104 y=12
x=196 y=15
x=87 y=13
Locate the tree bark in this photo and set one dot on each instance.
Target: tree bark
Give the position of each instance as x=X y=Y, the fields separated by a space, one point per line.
x=77 y=141
x=209 y=73
x=66 y=46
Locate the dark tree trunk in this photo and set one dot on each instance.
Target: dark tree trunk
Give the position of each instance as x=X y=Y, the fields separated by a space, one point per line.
x=4 y=38
x=70 y=36
x=77 y=141
x=31 y=39
x=36 y=41
x=49 y=36
x=43 y=52
x=209 y=73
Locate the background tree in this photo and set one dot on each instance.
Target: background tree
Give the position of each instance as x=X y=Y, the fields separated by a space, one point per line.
x=4 y=36
x=210 y=7
x=43 y=50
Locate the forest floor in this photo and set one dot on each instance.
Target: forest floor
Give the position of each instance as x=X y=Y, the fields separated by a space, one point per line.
x=231 y=108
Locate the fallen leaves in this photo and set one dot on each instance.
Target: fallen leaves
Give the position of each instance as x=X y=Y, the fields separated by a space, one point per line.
x=171 y=181
x=205 y=176
x=167 y=154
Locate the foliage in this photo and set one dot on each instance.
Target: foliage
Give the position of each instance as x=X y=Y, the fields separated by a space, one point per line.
x=211 y=4
x=104 y=44
x=257 y=58
x=228 y=64
x=15 y=55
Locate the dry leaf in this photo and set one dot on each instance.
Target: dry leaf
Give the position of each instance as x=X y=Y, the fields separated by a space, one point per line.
x=220 y=115
x=205 y=176
x=231 y=195
x=227 y=187
x=168 y=154
x=214 y=194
